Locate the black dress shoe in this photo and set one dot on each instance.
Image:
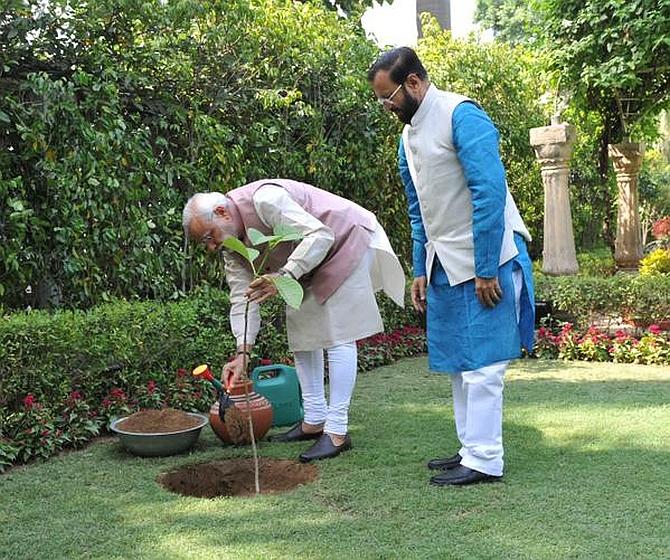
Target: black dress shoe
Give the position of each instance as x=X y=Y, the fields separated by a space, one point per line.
x=295 y=434
x=324 y=448
x=460 y=476
x=444 y=464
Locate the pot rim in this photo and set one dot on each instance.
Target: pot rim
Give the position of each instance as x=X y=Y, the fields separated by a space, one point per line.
x=113 y=423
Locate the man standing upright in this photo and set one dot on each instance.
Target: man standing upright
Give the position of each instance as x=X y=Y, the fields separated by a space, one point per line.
x=472 y=272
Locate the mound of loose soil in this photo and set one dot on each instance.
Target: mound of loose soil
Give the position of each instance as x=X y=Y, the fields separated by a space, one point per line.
x=235 y=477
x=157 y=421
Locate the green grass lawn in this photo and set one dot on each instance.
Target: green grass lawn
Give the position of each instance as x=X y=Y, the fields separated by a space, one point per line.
x=587 y=476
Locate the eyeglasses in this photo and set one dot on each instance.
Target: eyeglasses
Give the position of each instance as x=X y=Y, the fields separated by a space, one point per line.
x=387 y=100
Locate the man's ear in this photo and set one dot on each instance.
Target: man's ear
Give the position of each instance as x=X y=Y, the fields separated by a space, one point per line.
x=222 y=212
x=413 y=82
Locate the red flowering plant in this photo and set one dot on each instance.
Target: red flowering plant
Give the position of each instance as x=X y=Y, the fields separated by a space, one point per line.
x=115 y=403
x=77 y=423
x=33 y=431
x=653 y=347
x=384 y=348
x=568 y=343
x=594 y=346
x=184 y=393
x=661 y=232
x=149 y=396
x=546 y=344
x=624 y=348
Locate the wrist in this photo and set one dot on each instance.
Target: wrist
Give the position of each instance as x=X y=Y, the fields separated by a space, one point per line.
x=285 y=272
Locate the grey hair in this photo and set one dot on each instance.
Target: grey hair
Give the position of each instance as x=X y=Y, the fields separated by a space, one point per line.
x=202 y=204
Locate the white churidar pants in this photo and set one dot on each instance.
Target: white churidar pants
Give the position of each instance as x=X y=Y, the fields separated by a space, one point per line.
x=478 y=402
x=342 y=366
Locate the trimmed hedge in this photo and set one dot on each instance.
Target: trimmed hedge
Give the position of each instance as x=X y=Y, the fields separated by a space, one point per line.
x=643 y=300
x=63 y=375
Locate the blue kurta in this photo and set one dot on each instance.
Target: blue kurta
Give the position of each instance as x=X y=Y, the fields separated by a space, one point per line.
x=462 y=333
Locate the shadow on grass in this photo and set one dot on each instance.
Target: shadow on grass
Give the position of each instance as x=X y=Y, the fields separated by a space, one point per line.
x=584 y=492
x=375 y=502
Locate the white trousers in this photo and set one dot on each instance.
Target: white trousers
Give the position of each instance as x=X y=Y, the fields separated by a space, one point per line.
x=342 y=366
x=478 y=403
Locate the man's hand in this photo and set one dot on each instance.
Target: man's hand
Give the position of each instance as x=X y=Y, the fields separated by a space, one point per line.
x=262 y=288
x=234 y=370
x=488 y=291
x=419 y=294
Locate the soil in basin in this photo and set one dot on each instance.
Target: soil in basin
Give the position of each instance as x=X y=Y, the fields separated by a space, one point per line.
x=158 y=421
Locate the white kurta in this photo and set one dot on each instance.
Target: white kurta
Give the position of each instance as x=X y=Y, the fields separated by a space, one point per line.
x=350 y=313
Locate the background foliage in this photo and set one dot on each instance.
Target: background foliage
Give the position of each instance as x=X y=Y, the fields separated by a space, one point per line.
x=113 y=112
x=64 y=374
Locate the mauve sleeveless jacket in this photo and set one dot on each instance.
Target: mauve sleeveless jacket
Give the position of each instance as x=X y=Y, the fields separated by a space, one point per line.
x=352 y=226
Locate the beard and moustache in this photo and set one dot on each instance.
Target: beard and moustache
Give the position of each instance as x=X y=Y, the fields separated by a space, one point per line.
x=407 y=109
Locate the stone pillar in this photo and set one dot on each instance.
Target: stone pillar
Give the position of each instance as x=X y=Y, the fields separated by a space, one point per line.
x=553 y=147
x=627 y=160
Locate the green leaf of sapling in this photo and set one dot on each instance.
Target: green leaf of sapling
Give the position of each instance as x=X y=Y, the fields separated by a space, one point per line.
x=289 y=289
x=287 y=233
x=256 y=237
x=234 y=244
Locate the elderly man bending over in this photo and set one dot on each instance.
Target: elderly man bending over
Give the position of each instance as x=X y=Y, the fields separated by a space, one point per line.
x=343 y=258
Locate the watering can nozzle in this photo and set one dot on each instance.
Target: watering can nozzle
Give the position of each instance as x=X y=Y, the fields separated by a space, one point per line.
x=204 y=372
x=225 y=402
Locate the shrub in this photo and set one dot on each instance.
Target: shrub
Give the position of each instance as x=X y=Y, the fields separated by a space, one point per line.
x=113 y=113
x=594 y=345
x=656 y=262
x=65 y=375
x=582 y=299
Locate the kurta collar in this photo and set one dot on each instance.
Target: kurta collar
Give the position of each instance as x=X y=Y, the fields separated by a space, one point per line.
x=425 y=106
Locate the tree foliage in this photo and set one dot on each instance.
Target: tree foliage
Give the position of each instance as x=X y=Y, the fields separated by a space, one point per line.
x=613 y=54
x=512 y=21
x=612 y=57
x=113 y=112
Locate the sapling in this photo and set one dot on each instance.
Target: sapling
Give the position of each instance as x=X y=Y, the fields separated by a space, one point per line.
x=288 y=288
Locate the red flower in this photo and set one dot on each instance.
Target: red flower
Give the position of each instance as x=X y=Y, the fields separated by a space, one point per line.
x=117 y=393
x=265 y=362
x=45 y=433
x=151 y=387
x=29 y=401
x=655 y=329
x=75 y=396
x=106 y=403
x=181 y=372
x=661 y=228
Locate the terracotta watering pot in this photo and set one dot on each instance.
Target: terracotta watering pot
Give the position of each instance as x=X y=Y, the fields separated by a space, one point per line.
x=236 y=427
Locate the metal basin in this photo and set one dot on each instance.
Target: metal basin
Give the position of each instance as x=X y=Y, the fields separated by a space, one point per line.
x=159 y=444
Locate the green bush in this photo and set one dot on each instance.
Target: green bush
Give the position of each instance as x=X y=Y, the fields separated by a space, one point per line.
x=581 y=299
x=63 y=375
x=656 y=262
x=114 y=112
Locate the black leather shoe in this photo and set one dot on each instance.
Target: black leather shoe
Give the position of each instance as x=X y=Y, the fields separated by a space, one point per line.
x=444 y=464
x=324 y=448
x=460 y=476
x=295 y=434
